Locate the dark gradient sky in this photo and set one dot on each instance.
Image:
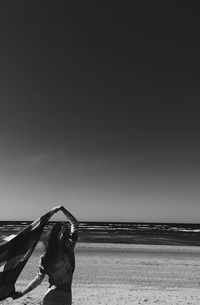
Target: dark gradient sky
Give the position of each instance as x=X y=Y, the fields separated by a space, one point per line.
x=99 y=110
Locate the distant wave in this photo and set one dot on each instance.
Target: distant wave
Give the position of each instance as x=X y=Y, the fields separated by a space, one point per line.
x=122 y=232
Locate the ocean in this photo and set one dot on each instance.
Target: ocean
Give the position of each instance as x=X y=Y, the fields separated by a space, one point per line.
x=122 y=232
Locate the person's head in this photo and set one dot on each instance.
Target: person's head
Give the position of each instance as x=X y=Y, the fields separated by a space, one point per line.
x=52 y=243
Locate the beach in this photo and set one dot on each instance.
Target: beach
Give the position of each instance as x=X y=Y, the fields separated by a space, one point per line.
x=123 y=274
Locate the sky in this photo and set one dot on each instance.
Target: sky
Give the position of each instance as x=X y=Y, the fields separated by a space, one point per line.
x=99 y=110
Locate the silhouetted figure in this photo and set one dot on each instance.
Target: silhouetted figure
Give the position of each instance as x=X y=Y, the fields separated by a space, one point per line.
x=58 y=262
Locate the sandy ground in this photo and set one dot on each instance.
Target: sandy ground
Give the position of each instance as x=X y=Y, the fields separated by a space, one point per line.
x=117 y=274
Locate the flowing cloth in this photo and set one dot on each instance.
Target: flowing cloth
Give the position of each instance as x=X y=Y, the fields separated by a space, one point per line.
x=15 y=253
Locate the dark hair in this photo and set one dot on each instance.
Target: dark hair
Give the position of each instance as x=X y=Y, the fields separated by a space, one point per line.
x=51 y=246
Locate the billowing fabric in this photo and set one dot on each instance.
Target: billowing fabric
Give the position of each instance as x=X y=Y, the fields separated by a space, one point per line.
x=15 y=253
x=54 y=296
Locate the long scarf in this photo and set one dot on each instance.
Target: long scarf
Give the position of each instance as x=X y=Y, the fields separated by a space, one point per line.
x=15 y=253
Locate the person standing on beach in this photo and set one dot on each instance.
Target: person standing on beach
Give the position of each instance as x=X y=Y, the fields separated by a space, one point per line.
x=58 y=262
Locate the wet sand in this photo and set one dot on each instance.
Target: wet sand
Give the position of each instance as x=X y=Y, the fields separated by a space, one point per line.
x=126 y=274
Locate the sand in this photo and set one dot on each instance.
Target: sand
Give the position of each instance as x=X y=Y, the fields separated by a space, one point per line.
x=119 y=274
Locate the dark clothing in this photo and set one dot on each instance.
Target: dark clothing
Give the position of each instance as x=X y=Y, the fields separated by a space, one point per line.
x=55 y=296
x=61 y=269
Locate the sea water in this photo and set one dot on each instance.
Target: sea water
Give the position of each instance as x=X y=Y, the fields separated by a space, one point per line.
x=121 y=232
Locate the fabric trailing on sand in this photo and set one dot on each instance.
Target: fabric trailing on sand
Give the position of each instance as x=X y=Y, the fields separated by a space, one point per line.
x=15 y=253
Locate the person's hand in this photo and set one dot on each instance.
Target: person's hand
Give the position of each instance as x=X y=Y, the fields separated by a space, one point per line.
x=17 y=295
x=62 y=208
x=56 y=209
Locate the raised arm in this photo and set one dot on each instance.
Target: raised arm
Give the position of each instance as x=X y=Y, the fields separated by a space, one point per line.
x=55 y=210
x=73 y=221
